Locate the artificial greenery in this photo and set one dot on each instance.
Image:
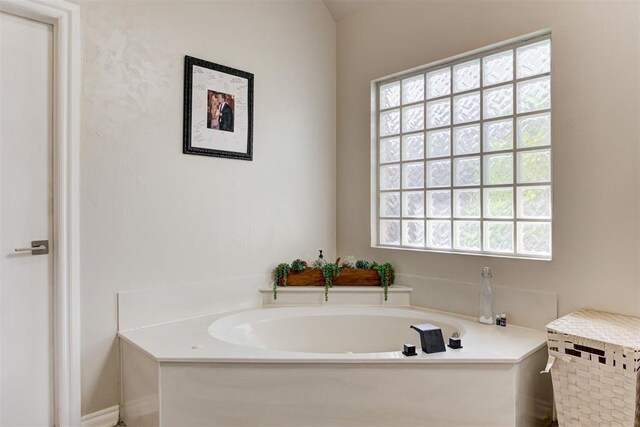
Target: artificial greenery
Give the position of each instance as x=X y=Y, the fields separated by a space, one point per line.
x=329 y=271
x=387 y=276
x=298 y=265
x=280 y=273
x=319 y=263
x=362 y=263
x=348 y=262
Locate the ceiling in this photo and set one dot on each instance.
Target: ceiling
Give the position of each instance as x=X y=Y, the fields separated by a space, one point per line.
x=342 y=8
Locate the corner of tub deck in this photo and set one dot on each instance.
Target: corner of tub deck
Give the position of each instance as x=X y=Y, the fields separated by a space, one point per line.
x=132 y=341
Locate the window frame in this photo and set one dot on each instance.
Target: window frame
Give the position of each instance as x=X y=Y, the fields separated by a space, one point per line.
x=450 y=63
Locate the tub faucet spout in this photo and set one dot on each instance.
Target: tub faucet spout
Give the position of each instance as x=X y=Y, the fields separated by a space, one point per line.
x=430 y=337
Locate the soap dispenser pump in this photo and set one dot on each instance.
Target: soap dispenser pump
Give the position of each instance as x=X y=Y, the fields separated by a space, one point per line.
x=485 y=306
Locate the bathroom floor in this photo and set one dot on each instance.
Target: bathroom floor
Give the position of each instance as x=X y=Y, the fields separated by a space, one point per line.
x=122 y=424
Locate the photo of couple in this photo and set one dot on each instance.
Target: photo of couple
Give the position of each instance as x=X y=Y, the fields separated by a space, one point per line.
x=220 y=111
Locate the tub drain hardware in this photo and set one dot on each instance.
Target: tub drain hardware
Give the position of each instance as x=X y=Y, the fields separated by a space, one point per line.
x=409 y=350
x=430 y=338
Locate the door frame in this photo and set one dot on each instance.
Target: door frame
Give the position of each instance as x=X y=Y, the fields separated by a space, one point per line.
x=65 y=19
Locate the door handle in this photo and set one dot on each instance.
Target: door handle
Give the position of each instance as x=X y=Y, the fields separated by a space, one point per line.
x=38 y=247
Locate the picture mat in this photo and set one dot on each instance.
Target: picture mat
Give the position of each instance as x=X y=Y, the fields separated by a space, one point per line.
x=205 y=79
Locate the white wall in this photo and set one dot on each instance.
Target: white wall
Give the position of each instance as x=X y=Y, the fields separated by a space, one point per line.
x=596 y=112
x=152 y=216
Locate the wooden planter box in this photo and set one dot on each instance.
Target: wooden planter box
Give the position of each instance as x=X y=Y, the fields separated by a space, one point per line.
x=347 y=277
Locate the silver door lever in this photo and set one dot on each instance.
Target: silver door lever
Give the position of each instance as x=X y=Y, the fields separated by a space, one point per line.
x=38 y=247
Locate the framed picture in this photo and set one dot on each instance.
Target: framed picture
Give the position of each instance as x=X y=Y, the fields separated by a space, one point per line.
x=218 y=110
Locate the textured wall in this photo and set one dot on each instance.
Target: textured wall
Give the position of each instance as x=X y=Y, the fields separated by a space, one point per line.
x=152 y=216
x=596 y=47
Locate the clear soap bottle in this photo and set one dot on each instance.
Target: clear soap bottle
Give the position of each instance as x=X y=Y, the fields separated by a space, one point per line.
x=485 y=303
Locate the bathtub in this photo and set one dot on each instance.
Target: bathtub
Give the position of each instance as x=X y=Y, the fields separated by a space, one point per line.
x=331 y=366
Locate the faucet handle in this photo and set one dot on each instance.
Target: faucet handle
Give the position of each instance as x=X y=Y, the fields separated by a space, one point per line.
x=455 y=342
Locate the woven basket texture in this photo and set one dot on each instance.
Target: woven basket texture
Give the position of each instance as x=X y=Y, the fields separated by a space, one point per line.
x=596 y=374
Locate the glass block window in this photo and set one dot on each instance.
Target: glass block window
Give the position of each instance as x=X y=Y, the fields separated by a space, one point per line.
x=463 y=154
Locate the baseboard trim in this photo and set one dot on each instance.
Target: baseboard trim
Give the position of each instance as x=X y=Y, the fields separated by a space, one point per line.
x=105 y=418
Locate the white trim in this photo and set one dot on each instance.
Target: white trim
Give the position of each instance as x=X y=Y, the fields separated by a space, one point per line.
x=65 y=19
x=105 y=418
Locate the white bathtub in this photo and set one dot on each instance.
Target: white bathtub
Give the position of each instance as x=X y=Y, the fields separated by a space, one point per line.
x=331 y=366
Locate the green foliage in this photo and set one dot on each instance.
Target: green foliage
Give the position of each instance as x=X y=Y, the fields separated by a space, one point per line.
x=535 y=166
x=469 y=235
x=500 y=202
x=329 y=271
x=298 y=265
x=387 y=276
x=348 y=262
x=280 y=272
x=500 y=169
x=363 y=263
x=535 y=137
x=501 y=140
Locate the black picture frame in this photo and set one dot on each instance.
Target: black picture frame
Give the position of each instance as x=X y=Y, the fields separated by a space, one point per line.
x=187 y=147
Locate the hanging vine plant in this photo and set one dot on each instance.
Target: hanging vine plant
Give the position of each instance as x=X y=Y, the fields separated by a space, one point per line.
x=280 y=275
x=387 y=276
x=329 y=271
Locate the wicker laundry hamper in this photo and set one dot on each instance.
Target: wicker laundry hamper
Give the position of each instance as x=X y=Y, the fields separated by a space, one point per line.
x=596 y=371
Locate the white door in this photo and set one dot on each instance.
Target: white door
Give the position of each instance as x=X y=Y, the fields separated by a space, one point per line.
x=26 y=338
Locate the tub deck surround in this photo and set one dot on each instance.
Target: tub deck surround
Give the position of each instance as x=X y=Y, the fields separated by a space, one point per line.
x=331 y=365
x=147 y=307
x=524 y=307
x=321 y=363
x=192 y=341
